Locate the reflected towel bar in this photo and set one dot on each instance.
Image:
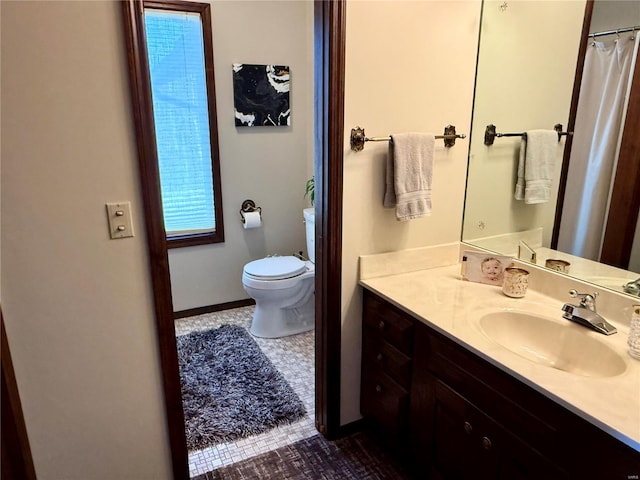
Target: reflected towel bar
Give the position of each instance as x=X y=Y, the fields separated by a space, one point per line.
x=358 y=137
x=490 y=133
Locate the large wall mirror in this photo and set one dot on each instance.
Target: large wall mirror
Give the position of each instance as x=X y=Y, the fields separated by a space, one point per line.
x=568 y=206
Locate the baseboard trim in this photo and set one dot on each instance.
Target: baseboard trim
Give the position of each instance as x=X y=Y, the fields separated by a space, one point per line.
x=213 y=308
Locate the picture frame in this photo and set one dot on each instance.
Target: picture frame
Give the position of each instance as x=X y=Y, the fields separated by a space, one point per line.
x=483 y=267
x=261 y=95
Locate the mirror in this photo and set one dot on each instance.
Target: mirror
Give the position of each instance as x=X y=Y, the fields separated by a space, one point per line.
x=526 y=69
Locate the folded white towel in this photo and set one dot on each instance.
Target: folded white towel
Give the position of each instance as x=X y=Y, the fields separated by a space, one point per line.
x=536 y=166
x=409 y=173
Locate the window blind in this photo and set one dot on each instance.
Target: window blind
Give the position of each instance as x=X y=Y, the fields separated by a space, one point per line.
x=178 y=86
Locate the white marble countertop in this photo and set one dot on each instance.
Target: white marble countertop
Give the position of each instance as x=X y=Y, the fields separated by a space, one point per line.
x=438 y=297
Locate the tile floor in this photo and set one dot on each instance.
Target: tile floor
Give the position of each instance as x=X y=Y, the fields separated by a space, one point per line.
x=294 y=357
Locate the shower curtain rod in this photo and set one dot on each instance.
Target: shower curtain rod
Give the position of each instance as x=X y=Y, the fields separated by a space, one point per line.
x=611 y=32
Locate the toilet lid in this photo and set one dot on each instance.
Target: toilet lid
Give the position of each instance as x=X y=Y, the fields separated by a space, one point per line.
x=275 y=268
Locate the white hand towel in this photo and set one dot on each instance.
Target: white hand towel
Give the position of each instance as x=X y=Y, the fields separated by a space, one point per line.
x=536 y=166
x=409 y=174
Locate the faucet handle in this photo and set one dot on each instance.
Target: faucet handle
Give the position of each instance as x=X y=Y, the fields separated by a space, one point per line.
x=587 y=300
x=574 y=293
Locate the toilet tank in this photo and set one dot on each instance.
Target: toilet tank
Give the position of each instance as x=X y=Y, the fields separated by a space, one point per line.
x=310 y=224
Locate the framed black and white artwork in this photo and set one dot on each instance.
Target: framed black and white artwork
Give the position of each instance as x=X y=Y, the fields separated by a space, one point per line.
x=261 y=95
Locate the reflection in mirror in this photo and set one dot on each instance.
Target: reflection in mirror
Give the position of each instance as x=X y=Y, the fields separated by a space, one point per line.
x=526 y=70
x=599 y=123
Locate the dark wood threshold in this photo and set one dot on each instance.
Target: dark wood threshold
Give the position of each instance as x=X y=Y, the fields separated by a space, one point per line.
x=213 y=308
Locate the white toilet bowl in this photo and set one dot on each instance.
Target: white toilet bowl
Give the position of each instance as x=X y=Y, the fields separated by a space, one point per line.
x=283 y=288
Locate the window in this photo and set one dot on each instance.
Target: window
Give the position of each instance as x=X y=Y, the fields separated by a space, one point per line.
x=180 y=70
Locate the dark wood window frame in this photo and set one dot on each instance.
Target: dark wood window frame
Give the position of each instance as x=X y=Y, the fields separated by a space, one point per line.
x=147 y=119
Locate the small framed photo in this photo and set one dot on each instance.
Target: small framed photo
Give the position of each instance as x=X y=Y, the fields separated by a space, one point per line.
x=482 y=267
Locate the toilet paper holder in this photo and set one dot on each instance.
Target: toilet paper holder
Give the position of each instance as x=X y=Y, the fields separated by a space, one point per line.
x=247 y=207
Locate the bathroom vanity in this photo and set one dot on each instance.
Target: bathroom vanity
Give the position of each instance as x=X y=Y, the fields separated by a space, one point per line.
x=463 y=406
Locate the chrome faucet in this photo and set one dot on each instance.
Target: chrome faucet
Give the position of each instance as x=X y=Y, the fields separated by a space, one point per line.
x=632 y=287
x=525 y=252
x=585 y=314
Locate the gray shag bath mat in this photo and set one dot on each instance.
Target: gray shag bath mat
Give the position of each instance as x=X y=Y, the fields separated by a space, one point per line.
x=230 y=389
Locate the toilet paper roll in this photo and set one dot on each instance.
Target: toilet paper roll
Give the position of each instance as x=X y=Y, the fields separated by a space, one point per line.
x=252 y=220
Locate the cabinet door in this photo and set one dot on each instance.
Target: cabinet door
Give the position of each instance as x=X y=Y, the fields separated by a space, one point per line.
x=521 y=463
x=469 y=444
x=463 y=439
x=384 y=401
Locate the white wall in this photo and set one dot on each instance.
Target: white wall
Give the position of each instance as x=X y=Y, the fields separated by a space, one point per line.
x=269 y=165
x=77 y=305
x=526 y=70
x=410 y=66
x=613 y=14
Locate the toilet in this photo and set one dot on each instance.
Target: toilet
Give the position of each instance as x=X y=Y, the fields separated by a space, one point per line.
x=283 y=288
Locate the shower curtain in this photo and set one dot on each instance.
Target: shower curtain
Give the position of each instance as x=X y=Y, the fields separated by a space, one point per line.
x=603 y=96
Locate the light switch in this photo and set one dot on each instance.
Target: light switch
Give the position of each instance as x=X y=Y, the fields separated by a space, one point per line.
x=119 y=215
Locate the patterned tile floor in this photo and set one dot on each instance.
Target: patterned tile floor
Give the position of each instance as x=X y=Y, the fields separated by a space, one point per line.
x=294 y=357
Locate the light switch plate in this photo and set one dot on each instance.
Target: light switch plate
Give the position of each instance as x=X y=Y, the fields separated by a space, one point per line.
x=119 y=215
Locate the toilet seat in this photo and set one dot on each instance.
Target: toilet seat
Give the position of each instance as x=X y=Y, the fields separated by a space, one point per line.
x=275 y=268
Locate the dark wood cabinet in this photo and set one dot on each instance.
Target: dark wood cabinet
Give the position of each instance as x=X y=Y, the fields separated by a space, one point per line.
x=467 y=443
x=387 y=344
x=460 y=417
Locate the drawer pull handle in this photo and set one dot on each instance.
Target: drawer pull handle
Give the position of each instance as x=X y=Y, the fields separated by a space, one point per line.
x=378 y=389
x=486 y=443
x=468 y=428
x=381 y=325
x=380 y=357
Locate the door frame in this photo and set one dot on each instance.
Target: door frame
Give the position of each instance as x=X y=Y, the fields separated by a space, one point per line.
x=17 y=461
x=329 y=46
x=329 y=43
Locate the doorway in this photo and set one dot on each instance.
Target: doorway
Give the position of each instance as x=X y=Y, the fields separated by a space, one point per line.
x=329 y=46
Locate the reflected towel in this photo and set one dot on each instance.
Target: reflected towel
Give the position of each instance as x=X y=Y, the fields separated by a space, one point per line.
x=408 y=175
x=536 y=166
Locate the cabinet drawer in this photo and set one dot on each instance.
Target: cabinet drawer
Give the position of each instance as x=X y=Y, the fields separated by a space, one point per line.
x=383 y=399
x=386 y=357
x=390 y=322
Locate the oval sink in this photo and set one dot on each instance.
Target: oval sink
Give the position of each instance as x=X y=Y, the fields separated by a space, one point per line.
x=552 y=344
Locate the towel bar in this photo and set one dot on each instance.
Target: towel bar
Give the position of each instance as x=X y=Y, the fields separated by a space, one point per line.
x=358 y=137
x=490 y=133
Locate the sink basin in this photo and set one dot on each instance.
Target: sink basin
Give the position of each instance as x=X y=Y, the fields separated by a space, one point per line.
x=556 y=345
